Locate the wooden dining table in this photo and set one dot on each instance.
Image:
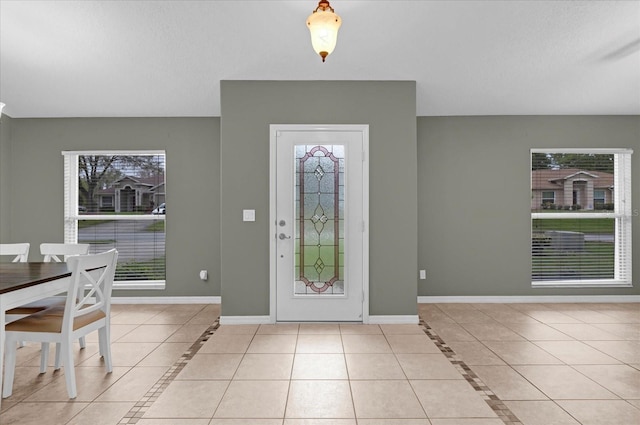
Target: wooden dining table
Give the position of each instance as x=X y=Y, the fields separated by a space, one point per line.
x=22 y=283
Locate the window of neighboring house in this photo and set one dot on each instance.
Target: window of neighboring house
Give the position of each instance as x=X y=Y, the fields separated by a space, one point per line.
x=106 y=201
x=586 y=240
x=108 y=204
x=548 y=199
x=599 y=199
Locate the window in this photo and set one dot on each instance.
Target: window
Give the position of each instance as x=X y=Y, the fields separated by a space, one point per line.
x=106 y=201
x=585 y=239
x=599 y=199
x=548 y=199
x=110 y=198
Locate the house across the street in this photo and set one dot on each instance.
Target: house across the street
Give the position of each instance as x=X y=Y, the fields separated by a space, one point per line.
x=129 y=194
x=571 y=188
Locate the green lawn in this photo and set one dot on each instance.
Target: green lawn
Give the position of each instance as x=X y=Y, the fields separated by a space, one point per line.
x=595 y=262
x=156 y=226
x=141 y=270
x=590 y=225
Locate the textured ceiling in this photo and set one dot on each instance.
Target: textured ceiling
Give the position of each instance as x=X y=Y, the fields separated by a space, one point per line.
x=166 y=58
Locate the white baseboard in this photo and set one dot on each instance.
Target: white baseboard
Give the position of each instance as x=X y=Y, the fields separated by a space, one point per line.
x=399 y=319
x=265 y=320
x=532 y=299
x=394 y=320
x=245 y=320
x=165 y=300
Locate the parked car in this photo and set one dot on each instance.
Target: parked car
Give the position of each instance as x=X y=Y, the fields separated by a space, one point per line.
x=161 y=209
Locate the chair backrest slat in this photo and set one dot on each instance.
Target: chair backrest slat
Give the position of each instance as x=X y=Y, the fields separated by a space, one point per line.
x=19 y=250
x=53 y=251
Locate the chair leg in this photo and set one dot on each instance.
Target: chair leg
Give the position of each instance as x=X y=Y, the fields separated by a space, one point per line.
x=57 y=363
x=101 y=345
x=104 y=338
x=44 y=356
x=69 y=370
x=9 y=367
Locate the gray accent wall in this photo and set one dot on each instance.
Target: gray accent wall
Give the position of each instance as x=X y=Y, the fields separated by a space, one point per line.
x=474 y=198
x=248 y=109
x=36 y=187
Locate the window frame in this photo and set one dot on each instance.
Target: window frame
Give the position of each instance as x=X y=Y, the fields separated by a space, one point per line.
x=622 y=214
x=106 y=204
x=71 y=215
x=604 y=196
x=542 y=197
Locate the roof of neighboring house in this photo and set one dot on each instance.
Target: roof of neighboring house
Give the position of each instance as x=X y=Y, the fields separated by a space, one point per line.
x=157 y=187
x=151 y=183
x=145 y=181
x=548 y=179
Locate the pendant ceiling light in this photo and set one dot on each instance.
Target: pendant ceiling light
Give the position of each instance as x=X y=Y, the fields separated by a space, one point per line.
x=323 y=24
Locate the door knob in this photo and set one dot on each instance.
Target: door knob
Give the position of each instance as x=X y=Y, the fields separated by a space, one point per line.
x=282 y=236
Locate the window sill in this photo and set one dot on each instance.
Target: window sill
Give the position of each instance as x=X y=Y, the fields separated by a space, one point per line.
x=139 y=284
x=581 y=284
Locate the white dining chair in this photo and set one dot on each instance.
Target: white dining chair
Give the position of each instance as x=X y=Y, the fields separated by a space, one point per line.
x=20 y=254
x=52 y=252
x=20 y=251
x=91 y=278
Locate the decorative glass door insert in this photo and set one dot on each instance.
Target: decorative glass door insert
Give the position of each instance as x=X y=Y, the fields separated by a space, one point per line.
x=319 y=212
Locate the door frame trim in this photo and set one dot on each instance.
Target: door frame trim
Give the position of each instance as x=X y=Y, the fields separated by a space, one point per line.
x=273 y=131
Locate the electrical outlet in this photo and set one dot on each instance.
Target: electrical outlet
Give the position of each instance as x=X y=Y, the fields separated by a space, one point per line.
x=423 y=274
x=204 y=275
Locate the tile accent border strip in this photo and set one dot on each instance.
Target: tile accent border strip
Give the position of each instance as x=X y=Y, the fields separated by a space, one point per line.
x=494 y=402
x=141 y=407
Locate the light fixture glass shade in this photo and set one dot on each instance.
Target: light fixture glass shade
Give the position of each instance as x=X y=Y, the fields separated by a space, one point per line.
x=323 y=25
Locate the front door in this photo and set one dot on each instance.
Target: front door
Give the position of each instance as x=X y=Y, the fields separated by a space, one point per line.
x=319 y=222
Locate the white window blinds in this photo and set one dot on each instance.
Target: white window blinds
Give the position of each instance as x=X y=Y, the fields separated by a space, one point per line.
x=116 y=199
x=581 y=236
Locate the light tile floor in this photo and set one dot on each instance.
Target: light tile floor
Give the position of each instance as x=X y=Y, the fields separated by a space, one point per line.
x=466 y=364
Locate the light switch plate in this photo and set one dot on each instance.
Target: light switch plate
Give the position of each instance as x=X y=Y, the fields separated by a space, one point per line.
x=248 y=215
